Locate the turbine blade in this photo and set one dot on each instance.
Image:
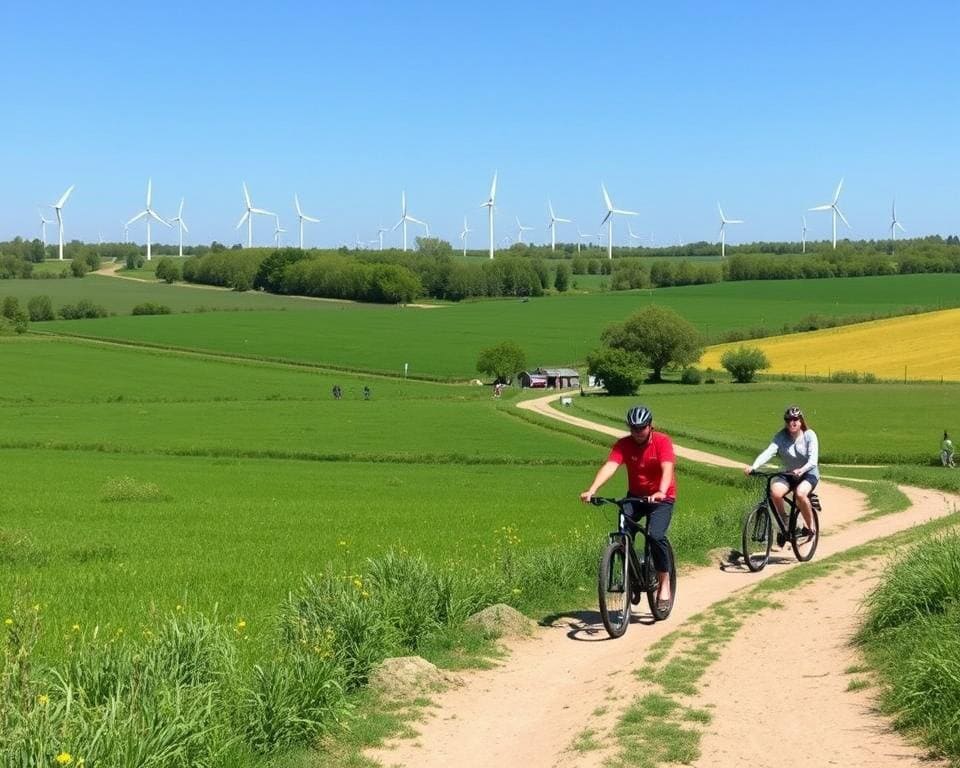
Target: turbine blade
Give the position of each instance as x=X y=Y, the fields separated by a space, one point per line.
x=826 y=207
x=606 y=198
x=149 y=191
x=493 y=188
x=609 y=214
x=296 y=202
x=309 y=218
x=243 y=218
x=734 y=221
x=246 y=195
x=842 y=217
x=565 y=221
x=63 y=198
x=184 y=225
x=722 y=217
x=624 y=213
x=180 y=212
x=137 y=217
x=836 y=195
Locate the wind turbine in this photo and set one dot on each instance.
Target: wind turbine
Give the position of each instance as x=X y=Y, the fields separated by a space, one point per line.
x=126 y=231
x=303 y=217
x=554 y=220
x=181 y=225
x=803 y=235
x=58 y=207
x=521 y=229
x=489 y=204
x=405 y=217
x=463 y=235
x=894 y=223
x=580 y=238
x=608 y=219
x=248 y=215
x=632 y=235
x=148 y=213
x=43 y=228
x=277 y=232
x=836 y=211
x=380 y=232
x=723 y=230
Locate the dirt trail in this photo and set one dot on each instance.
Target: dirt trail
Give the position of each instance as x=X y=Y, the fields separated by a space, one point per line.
x=527 y=711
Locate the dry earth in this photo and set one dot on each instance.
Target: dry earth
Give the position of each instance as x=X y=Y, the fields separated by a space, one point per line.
x=571 y=676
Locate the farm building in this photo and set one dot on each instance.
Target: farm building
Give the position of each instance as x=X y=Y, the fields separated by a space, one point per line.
x=549 y=378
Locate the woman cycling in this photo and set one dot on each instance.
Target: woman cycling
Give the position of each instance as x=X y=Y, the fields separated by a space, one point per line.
x=799 y=450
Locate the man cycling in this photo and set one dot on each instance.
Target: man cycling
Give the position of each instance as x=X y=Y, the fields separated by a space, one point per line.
x=650 y=461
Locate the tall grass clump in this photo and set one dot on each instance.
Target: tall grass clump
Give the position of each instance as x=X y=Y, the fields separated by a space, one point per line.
x=912 y=634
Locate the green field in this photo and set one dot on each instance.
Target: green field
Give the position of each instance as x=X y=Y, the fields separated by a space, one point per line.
x=445 y=342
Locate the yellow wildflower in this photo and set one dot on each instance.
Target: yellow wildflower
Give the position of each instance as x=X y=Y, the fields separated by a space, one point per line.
x=8 y=622
x=64 y=758
x=179 y=608
x=241 y=625
x=75 y=627
x=341 y=543
x=43 y=699
x=36 y=607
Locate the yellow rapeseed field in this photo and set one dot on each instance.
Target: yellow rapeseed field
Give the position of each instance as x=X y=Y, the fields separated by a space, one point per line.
x=920 y=347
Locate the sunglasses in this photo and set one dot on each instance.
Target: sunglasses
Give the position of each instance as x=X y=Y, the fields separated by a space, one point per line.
x=794 y=418
x=639 y=429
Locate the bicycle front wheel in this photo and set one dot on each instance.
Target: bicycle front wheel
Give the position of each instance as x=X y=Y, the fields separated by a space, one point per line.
x=660 y=612
x=757 y=537
x=613 y=588
x=803 y=540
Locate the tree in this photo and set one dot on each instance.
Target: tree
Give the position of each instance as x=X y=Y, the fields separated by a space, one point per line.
x=502 y=361
x=40 y=308
x=619 y=370
x=561 y=280
x=168 y=270
x=744 y=362
x=658 y=337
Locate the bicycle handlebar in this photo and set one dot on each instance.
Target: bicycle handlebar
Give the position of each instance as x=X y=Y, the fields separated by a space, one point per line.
x=599 y=501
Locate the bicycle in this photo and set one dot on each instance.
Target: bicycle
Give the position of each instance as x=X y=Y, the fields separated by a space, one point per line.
x=758 y=528
x=621 y=566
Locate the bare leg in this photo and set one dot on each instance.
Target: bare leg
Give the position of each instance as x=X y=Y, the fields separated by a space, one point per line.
x=802 y=495
x=663 y=588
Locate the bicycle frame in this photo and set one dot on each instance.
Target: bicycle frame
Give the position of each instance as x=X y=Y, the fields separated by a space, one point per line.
x=641 y=521
x=789 y=498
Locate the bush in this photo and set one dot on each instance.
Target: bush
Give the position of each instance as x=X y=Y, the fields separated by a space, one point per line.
x=150 y=308
x=40 y=308
x=744 y=362
x=10 y=307
x=168 y=270
x=619 y=370
x=79 y=267
x=134 y=260
x=691 y=375
x=561 y=279
x=82 y=309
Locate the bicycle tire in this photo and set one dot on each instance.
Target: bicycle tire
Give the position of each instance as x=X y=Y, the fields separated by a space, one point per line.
x=613 y=588
x=652 y=586
x=804 y=547
x=756 y=538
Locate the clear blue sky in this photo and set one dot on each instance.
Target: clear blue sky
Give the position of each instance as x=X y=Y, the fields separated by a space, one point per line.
x=760 y=105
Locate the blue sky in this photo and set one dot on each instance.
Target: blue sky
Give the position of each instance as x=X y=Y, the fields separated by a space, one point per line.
x=760 y=105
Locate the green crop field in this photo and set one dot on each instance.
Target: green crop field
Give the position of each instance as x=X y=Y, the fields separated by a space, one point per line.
x=446 y=341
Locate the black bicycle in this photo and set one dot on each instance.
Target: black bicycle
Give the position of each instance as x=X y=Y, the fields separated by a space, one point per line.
x=761 y=521
x=624 y=574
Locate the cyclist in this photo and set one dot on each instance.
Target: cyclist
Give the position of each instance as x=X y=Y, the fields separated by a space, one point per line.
x=650 y=461
x=946 y=450
x=799 y=450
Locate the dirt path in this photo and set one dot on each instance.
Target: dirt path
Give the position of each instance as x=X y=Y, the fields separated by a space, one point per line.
x=528 y=711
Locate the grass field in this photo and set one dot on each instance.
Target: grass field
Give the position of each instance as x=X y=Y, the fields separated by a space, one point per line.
x=916 y=347
x=445 y=342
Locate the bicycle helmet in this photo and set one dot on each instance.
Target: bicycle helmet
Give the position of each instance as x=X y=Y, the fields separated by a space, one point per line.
x=639 y=416
x=793 y=412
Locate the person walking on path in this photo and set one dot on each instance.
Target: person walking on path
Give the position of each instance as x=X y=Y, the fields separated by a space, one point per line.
x=946 y=450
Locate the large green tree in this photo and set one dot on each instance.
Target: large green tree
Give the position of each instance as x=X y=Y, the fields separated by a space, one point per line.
x=658 y=336
x=502 y=361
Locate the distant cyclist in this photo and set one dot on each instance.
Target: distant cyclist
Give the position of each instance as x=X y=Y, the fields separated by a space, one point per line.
x=650 y=462
x=946 y=450
x=799 y=450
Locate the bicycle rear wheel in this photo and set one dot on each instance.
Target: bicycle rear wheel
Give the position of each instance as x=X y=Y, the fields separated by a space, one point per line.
x=757 y=537
x=803 y=540
x=652 y=584
x=613 y=588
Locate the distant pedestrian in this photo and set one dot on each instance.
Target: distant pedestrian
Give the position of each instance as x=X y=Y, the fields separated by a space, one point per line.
x=366 y=392
x=337 y=392
x=946 y=451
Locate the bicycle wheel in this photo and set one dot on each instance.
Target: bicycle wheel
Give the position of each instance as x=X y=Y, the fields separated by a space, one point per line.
x=613 y=588
x=757 y=537
x=804 y=541
x=653 y=584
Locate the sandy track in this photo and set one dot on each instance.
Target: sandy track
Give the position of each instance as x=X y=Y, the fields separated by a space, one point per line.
x=527 y=711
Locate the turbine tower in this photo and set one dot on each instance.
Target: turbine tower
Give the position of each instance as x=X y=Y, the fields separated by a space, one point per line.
x=521 y=229
x=608 y=219
x=380 y=232
x=248 y=215
x=723 y=230
x=405 y=217
x=126 y=232
x=836 y=212
x=302 y=217
x=181 y=225
x=43 y=229
x=581 y=236
x=148 y=213
x=803 y=235
x=894 y=223
x=58 y=207
x=554 y=220
x=489 y=204
x=277 y=232
x=463 y=235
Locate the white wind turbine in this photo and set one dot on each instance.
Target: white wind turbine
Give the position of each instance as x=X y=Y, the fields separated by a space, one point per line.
x=632 y=235
x=521 y=229
x=248 y=215
x=148 y=213
x=836 y=211
x=463 y=235
x=723 y=230
x=554 y=220
x=380 y=231
x=581 y=236
x=58 y=207
x=405 y=217
x=302 y=217
x=277 y=232
x=894 y=223
x=43 y=229
x=803 y=235
x=126 y=231
x=181 y=225
x=608 y=219
x=489 y=204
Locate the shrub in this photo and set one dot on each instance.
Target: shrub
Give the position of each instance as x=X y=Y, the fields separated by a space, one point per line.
x=619 y=370
x=82 y=309
x=744 y=362
x=40 y=308
x=691 y=375
x=134 y=260
x=168 y=270
x=150 y=308
x=561 y=279
x=79 y=267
